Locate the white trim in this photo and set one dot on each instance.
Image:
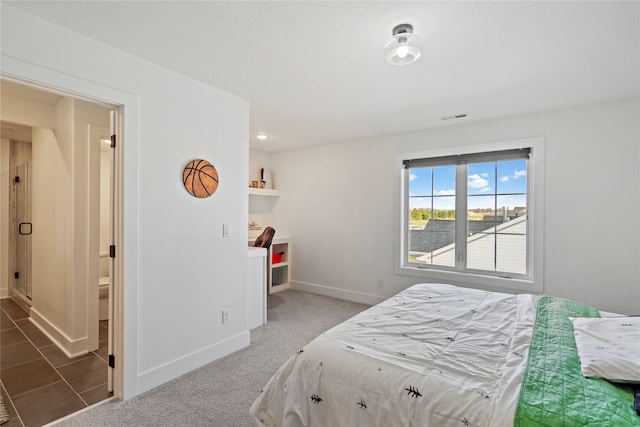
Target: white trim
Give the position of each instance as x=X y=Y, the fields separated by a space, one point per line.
x=281 y=287
x=187 y=363
x=535 y=205
x=87 y=409
x=342 y=294
x=69 y=346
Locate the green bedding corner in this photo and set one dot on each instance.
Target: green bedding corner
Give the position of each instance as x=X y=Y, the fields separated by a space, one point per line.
x=554 y=392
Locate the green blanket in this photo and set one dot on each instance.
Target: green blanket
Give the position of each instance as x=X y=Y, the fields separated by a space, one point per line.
x=554 y=392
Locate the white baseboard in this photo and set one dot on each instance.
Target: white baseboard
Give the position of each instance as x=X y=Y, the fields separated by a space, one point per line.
x=281 y=287
x=180 y=366
x=70 y=347
x=328 y=291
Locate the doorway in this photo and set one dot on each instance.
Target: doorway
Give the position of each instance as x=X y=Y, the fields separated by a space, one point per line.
x=22 y=301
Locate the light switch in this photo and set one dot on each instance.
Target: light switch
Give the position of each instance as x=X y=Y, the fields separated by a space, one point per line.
x=226 y=230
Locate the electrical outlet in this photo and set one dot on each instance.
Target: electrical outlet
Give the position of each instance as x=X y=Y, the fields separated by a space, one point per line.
x=380 y=282
x=226 y=314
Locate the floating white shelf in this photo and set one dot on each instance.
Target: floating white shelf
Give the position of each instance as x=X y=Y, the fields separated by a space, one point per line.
x=264 y=192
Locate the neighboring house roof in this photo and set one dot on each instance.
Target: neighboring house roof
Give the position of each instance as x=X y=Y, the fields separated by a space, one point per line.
x=440 y=232
x=511 y=256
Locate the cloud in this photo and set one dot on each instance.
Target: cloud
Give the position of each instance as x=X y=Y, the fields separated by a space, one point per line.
x=412 y=176
x=515 y=175
x=446 y=193
x=519 y=174
x=478 y=182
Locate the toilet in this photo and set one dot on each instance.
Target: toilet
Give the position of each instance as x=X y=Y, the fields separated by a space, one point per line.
x=103 y=304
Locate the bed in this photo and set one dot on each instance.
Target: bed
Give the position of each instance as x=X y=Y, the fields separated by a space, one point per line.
x=441 y=355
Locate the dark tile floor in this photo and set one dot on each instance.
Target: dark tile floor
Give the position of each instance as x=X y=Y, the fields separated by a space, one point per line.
x=39 y=383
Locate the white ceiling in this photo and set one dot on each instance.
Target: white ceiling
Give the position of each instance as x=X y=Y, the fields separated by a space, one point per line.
x=314 y=71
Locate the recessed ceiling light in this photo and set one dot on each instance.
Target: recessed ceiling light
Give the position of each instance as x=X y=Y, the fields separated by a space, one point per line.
x=261 y=136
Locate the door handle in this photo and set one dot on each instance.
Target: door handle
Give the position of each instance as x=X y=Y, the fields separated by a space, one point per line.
x=25 y=224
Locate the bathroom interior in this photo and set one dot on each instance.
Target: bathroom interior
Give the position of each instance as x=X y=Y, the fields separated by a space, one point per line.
x=55 y=207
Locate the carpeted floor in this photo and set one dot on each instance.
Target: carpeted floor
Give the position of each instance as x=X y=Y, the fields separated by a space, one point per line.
x=219 y=394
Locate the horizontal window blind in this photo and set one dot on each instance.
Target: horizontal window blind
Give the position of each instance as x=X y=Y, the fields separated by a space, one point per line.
x=457 y=159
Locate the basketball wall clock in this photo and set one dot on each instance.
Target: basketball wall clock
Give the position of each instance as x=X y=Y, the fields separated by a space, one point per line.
x=200 y=178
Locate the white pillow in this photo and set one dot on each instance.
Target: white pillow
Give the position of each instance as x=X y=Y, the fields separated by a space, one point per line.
x=609 y=347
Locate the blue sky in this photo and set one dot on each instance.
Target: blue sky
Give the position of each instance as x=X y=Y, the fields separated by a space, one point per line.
x=487 y=185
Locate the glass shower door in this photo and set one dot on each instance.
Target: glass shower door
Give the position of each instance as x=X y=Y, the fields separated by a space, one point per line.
x=23 y=230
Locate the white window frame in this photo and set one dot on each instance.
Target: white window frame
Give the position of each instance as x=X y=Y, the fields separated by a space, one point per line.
x=533 y=282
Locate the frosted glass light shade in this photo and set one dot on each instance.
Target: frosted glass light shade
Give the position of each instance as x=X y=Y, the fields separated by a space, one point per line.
x=404 y=46
x=402 y=49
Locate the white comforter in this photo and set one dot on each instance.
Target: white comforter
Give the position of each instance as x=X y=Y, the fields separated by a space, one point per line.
x=433 y=355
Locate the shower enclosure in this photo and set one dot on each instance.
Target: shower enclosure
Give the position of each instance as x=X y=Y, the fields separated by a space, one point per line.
x=22 y=230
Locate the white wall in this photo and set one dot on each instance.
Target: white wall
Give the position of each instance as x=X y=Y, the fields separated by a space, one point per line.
x=52 y=258
x=340 y=207
x=179 y=273
x=257 y=161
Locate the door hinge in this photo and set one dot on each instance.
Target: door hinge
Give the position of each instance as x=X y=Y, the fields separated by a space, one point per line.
x=113 y=141
x=16 y=275
x=112 y=361
x=112 y=251
x=16 y=179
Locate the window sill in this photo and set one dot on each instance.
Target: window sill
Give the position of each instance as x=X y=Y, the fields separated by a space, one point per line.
x=471 y=280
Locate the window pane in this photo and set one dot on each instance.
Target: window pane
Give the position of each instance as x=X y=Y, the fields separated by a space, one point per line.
x=481 y=213
x=504 y=251
x=444 y=181
x=496 y=216
x=432 y=215
x=512 y=177
x=432 y=239
x=511 y=251
x=481 y=252
x=481 y=178
x=420 y=182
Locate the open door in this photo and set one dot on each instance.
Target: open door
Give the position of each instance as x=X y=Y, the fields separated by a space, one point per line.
x=114 y=127
x=116 y=259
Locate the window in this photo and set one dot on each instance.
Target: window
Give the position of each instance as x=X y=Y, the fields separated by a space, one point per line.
x=468 y=217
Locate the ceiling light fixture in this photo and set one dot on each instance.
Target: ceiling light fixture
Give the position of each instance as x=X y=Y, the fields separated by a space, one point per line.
x=261 y=136
x=404 y=46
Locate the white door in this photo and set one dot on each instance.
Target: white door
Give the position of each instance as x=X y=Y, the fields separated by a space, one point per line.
x=114 y=128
